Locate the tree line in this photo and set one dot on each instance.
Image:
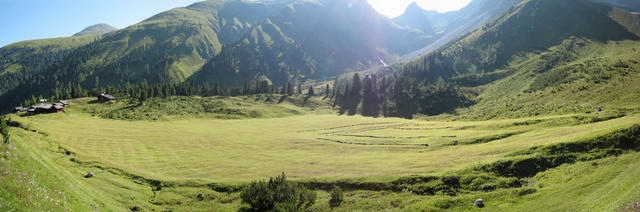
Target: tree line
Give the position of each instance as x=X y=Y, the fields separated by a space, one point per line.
x=144 y=90
x=396 y=96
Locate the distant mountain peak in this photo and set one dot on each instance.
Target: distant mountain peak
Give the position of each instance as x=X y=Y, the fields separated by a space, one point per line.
x=97 y=29
x=413 y=6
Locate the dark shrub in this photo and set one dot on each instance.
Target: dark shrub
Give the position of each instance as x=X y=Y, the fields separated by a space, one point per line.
x=278 y=193
x=336 y=197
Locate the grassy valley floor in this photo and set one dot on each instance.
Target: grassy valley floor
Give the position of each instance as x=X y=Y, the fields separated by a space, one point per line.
x=381 y=163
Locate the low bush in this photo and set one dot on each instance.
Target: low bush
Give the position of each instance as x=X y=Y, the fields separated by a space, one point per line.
x=336 y=197
x=278 y=194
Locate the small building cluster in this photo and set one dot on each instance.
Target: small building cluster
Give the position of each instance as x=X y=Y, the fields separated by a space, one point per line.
x=57 y=107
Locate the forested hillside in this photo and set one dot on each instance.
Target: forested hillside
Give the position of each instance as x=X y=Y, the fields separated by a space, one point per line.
x=560 y=37
x=19 y=62
x=168 y=47
x=230 y=42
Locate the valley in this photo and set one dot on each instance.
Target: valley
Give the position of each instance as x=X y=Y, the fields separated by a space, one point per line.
x=328 y=105
x=369 y=157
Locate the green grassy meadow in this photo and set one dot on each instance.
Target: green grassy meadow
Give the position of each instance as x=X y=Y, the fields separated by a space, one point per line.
x=163 y=163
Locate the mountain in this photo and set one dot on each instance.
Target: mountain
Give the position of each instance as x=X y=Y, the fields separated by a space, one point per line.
x=630 y=5
x=539 y=47
x=448 y=26
x=541 y=23
x=168 y=47
x=97 y=29
x=281 y=41
x=418 y=18
x=312 y=40
x=20 y=61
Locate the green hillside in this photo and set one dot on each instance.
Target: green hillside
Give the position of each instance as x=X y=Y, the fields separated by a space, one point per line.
x=572 y=48
x=168 y=47
x=20 y=61
x=449 y=26
x=536 y=110
x=97 y=29
x=542 y=23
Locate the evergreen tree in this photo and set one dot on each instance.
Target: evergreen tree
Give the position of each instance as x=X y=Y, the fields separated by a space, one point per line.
x=299 y=89
x=289 y=89
x=216 y=89
x=370 y=98
x=311 y=92
x=4 y=130
x=326 y=90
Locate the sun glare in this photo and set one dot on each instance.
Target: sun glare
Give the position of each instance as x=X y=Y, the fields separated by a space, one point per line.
x=393 y=8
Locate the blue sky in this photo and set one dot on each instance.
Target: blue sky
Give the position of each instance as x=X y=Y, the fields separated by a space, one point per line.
x=35 y=19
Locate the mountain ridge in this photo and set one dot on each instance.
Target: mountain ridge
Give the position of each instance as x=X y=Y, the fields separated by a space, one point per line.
x=97 y=29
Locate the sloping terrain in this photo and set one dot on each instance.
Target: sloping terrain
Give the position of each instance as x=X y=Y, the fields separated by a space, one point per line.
x=97 y=29
x=311 y=40
x=20 y=61
x=168 y=47
x=382 y=164
x=568 y=43
x=449 y=26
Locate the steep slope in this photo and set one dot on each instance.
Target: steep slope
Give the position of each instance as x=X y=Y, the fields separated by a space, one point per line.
x=537 y=40
x=168 y=47
x=631 y=5
x=21 y=60
x=418 y=18
x=583 y=75
x=541 y=23
x=171 y=46
x=97 y=29
x=451 y=25
x=312 y=40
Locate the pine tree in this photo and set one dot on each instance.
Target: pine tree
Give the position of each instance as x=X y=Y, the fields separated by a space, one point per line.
x=369 y=100
x=311 y=92
x=327 y=90
x=289 y=89
x=299 y=89
x=216 y=89
x=4 y=130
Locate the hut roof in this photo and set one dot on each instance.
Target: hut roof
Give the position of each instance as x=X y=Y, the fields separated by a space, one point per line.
x=44 y=106
x=107 y=96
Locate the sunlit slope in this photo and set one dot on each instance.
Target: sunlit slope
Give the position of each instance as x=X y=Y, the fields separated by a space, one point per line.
x=305 y=146
x=541 y=23
x=166 y=48
x=97 y=29
x=21 y=60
